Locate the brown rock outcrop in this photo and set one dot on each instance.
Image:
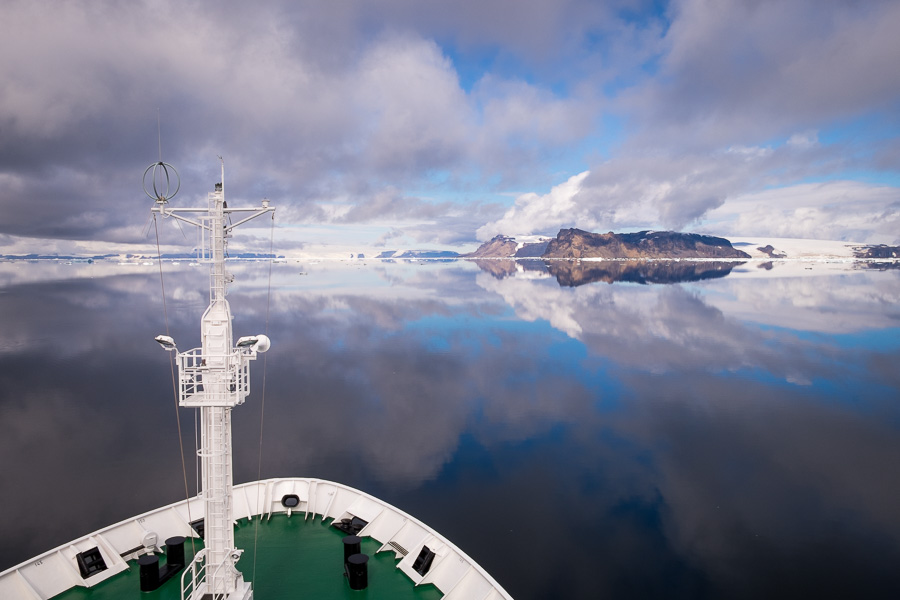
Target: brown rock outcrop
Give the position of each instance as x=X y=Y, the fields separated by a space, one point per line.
x=576 y=243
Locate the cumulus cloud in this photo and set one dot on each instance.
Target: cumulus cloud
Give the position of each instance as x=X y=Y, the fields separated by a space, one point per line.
x=673 y=191
x=307 y=105
x=735 y=109
x=756 y=70
x=836 y=210
x=325 y=104
x=534 y=214
x=528 y=120
x=415 y=115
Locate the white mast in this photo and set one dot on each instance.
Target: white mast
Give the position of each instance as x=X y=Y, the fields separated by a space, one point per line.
x=214 y=378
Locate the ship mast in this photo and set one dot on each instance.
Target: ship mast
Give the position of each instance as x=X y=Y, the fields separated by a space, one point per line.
x=214 y=379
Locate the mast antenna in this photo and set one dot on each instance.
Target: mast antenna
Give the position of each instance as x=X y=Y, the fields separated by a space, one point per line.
x=161 y=194
x=159 y=133
x=215 y=378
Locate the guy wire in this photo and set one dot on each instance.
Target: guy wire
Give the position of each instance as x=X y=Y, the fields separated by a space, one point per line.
x=162 y=284
x=262 y=407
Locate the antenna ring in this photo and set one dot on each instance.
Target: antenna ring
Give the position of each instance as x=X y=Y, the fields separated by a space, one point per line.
x=158 y=195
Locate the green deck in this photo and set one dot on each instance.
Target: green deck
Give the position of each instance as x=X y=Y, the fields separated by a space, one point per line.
x=297 y=559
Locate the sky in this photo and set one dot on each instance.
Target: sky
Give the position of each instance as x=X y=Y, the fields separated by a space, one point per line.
x=411 y=124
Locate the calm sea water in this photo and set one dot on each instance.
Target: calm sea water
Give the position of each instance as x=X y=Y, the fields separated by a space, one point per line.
x=581 y=430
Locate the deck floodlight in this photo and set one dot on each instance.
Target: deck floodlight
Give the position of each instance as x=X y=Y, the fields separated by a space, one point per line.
x=166 y=342
x=258 y=343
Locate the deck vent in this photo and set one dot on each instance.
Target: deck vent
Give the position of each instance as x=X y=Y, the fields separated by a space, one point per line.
x=423 y=561
x=290 y=501
x=403 y=551
x=90 y=562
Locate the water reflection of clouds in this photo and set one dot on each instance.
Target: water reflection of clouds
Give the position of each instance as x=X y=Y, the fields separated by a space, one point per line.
x=752 y=474
x=638 y=409
x=712 y=326
x=839 y=303
x=756 y=475
x=371 y=367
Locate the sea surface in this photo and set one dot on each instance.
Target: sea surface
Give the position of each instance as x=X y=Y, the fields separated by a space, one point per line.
x=582 y=430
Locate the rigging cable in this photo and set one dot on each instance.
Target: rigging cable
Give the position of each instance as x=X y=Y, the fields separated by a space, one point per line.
x=162 y=284
x=262 y=406
x=187 y=494
x=197 y=451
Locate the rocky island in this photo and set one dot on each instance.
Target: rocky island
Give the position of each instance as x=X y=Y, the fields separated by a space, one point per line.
x=879 y=251
x=576 y=243
x=502 y=246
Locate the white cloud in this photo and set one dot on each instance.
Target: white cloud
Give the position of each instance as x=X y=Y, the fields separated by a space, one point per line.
x=641 y=191
x=520 y=111
x=538 y=214
x=413 y=114
x=740 y=190
x=804 y=140
x=836 y=210
x=348 y=103
x=738 y=70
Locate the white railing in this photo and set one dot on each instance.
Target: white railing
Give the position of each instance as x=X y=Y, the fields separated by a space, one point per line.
x=213 y=586
x=206 y=381
x=197 y=572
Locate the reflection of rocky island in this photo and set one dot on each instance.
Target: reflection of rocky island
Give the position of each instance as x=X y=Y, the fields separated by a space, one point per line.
x=571 y=273
x=575 y=273
x=575 y=243
x=502 y=268
x=872 y=254
x=498 y=268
